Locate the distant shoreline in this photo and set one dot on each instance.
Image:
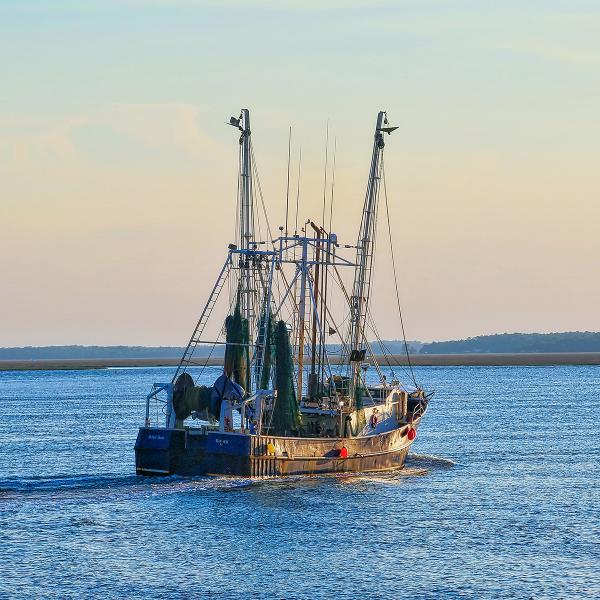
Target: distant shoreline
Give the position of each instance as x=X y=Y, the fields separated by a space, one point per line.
x=445 y=360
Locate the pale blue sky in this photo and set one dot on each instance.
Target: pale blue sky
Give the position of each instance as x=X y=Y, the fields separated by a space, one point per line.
x=111 y=125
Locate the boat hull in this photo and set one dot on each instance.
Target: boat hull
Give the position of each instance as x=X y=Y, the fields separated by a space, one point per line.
x=161 y=451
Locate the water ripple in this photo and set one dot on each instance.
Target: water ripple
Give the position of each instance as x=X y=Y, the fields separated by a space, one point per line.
x=499 y=500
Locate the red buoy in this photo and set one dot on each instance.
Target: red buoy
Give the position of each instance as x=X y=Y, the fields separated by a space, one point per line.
x=412 y=434
x=344 y=452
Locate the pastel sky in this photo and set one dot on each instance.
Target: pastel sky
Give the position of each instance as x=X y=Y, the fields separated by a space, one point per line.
x=118 y=175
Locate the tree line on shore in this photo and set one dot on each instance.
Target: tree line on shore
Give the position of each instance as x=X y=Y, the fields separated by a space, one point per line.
x=504 y=343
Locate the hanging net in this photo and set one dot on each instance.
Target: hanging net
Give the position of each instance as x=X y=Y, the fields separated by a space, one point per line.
x=286 y=414
x=265 y=362
x=236 y=351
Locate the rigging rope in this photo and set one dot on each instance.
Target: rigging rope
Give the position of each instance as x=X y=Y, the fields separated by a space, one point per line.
x=262 y=202
x=387 y=210
x=203 y=366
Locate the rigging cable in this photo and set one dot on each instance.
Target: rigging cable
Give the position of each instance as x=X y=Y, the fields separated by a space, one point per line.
x=262 y=202
x=295 y=315
x=385 y=351
x=221 y=332
x=233 y=291
x=322 y=273
x=387 y=210
x=330 y=248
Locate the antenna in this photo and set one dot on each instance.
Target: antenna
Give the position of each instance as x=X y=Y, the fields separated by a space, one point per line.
x=332 y=182
x=325 y=174
x=287 y=189
x=298 y=192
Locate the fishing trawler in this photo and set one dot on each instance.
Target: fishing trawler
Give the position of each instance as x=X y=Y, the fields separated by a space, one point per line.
x=301 y=390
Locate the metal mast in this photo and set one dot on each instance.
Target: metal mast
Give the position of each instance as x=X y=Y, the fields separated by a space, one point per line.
x=303 y=267
x=245 y=233
x=359 y=302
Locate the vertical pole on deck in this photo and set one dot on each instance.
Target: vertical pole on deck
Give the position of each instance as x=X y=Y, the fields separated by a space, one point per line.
x=301 y=311
x=246 y=223
x=313 y=379
x=359 y=302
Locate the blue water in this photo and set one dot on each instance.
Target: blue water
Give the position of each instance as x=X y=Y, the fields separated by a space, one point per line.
x=500 y=499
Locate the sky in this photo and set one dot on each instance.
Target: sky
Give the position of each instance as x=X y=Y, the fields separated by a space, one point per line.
x=118 y=173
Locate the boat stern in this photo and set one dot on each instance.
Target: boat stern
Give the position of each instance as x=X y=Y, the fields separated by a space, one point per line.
x=158 y=450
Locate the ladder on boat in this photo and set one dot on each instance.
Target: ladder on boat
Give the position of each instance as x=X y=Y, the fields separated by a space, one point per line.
x=186 y=359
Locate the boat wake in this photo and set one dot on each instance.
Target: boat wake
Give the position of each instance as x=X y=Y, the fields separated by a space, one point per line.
x=110 y=486
x=430 y=461
x=113 y=486
x=384 y=477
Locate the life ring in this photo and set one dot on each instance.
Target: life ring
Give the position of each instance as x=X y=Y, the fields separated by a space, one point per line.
x=412 y=433
x=374 y=420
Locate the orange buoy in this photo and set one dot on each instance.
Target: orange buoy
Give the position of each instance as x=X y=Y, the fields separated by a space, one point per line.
x=343 y=452
x=412 y=434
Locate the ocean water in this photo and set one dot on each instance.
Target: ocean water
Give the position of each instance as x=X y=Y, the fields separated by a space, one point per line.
x=500 y=499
